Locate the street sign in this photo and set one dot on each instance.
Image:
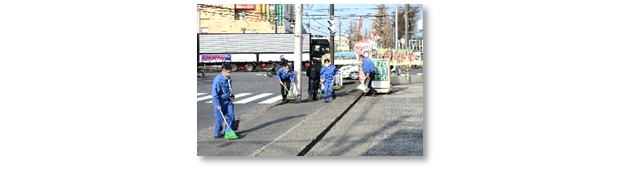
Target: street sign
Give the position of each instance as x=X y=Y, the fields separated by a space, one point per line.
x=382 y=80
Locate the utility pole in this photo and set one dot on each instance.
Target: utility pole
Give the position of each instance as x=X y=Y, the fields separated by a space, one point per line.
x=340 y=33
x=396 y=36
x=332 y=34
x=310 y=6
x=275 y=19
x=407 y=36
x=298 y=51
x=396 y=29
x=406 y=26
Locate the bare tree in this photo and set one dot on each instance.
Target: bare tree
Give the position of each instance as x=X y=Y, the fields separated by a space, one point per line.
x=414 y=13
x=352 y=33
x=383 y=27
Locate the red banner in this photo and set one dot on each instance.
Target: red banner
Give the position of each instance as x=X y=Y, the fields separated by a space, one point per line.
x=360 y=23
x=244 y=6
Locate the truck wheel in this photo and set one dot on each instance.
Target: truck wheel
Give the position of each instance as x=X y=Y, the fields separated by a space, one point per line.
x=249 y=67
x=234 y=68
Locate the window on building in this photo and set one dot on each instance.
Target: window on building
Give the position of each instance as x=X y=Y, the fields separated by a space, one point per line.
x=204 y=30
x=239 y=14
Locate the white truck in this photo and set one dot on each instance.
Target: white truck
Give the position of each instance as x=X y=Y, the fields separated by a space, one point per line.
x=250 y=51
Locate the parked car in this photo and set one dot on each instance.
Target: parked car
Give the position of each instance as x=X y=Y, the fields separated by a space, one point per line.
x=350 y=71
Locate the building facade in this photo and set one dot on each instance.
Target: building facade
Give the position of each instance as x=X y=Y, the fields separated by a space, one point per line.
x=244 y=18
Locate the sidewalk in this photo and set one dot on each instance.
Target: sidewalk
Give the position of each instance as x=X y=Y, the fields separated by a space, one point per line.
x=301 y=134
x=386 y=125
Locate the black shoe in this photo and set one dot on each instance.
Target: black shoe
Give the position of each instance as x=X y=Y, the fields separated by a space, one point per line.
x=326 y=101
x=284 y=99
x=218 y=137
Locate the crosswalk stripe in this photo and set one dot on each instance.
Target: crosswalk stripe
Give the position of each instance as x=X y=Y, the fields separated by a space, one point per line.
x=199 y=94
x=252 y=98
x=204 y=98
x=273 y=99
x=236 y=96
x=241 y=95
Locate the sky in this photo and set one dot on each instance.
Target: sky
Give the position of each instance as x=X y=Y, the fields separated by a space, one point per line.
x=320 y=26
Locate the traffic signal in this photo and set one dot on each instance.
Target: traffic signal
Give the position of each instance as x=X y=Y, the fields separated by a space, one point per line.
x=332 y=26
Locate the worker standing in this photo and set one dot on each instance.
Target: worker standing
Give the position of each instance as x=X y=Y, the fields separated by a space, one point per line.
x=313 y=76
x=222 y=99
x=327 y=73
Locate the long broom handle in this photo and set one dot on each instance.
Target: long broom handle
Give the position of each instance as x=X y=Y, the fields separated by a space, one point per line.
x=226 y=124
x=285 y=87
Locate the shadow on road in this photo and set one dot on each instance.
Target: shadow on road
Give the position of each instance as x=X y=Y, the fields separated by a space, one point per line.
x=343 y=91
x=243 y=133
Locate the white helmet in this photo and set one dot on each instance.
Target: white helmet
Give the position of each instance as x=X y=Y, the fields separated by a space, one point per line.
x=281 y=57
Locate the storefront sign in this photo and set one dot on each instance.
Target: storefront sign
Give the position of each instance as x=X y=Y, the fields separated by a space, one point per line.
x=214 y=58
x=244 y=6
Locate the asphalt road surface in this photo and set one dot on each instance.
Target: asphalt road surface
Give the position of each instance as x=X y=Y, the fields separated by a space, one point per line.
x=254 y=93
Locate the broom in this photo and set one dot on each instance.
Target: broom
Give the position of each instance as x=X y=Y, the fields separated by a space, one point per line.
x=321 y=89
x=236 y=121
x=285 y=88
x=230 y=135
x=319 y=92
x=336 y=86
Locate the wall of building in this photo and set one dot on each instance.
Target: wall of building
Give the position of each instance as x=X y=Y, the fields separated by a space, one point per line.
x=222 y=18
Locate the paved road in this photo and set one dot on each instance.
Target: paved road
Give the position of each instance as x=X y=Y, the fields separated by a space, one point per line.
x=265 y=124
x=255 y=92
x=386 y=125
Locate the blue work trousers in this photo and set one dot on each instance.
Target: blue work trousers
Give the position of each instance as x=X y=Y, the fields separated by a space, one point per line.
x=228 y=110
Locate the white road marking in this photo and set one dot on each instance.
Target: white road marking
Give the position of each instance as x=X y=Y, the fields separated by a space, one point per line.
x=258 y=74
x=236 y=96
x=273 y=99
x=204 y=98
x=199 y=94
x=252 y=98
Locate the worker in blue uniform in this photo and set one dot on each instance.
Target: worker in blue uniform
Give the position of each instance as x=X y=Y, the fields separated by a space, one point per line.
x=327 y=73
x=287 y=78
x=368 y=71
x=222 y=97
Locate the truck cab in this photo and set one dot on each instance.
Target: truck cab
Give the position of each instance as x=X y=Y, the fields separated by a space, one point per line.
x=319 y=48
